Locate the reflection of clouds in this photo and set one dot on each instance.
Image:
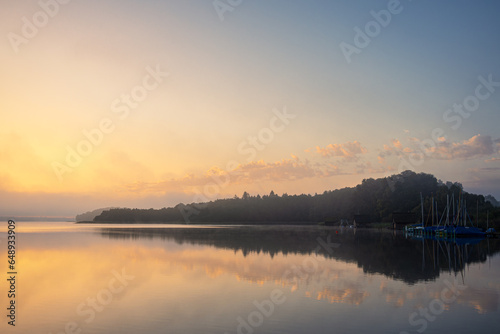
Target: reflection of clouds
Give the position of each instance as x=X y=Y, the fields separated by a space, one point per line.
x=396 y=300
x=327 y=279
x=195 y=270
x=331 y=280
x=348 y=295
x=398 y=296
x=479 y=299
x=482 y=301
x=323 y=282
x=213 y=272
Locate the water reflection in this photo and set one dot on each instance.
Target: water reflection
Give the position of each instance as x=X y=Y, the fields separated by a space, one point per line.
x=202 y=280
x=376 y=252
x=455 y=255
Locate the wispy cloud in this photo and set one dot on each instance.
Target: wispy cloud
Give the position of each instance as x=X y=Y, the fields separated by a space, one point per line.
x=252 y=172
x=286 y=169
x=255 y=172
x=476 y=147
x=368 y=168
x=394 y=149
x=484 y=169
x=350 y=151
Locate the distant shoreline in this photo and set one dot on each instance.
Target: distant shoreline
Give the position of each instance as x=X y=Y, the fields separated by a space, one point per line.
x=294 y=223
x=38 y=219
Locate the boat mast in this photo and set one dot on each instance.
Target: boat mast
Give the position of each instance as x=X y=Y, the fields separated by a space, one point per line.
x=422 y=208
x=432 y=211
x=453 y=202
x=464 y=217
x=477 y=213
x=437 y=214
x=447 y=209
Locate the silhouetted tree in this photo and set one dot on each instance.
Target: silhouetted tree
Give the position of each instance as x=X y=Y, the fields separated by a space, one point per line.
x=378 y=198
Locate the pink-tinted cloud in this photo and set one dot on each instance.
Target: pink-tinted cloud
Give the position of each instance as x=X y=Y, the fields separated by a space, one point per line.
x=252 y=172
x=397 y=144
x=394 y=149
x=475 y=147
x=348 y=151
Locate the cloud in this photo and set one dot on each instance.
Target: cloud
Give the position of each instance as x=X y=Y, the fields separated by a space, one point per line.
x=394 y=149
x=348 y=151
x=396 y=143
x=485 y=169
x=252 y=172
x=367 y=168
x=217 y=181
x=286 y=169
x=475 y=147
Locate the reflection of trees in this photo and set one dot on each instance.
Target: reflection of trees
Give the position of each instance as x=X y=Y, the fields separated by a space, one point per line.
x=375 y=252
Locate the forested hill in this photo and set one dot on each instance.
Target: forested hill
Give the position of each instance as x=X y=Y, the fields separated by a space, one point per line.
x=376 y=198
x=90 y=215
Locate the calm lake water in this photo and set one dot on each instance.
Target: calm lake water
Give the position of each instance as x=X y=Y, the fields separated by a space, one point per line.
x=247 y=279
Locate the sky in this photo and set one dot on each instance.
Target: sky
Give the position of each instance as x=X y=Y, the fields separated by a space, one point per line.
x=155 y=102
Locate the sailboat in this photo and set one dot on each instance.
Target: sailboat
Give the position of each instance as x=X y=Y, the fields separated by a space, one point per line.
x=458 y=227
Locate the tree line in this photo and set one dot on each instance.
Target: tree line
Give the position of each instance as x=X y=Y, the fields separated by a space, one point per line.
x=377 y=198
